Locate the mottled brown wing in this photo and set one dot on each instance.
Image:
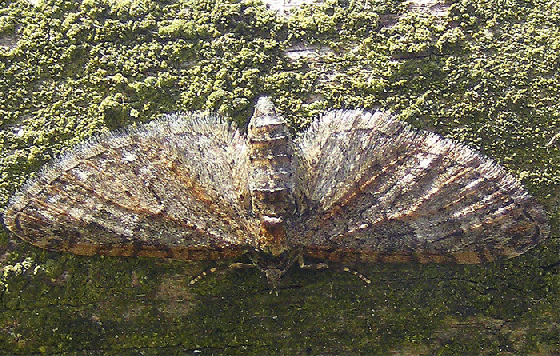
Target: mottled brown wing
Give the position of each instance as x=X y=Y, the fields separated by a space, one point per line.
x=176 y=187
x=381 y=191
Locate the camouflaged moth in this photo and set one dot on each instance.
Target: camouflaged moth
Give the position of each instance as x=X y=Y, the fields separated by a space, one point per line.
x=356 y=186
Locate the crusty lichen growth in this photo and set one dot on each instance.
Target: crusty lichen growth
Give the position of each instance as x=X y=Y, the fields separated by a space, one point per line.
x=485 y=74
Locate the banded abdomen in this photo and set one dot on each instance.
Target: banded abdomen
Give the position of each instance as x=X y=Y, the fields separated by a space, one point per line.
x=271 y=182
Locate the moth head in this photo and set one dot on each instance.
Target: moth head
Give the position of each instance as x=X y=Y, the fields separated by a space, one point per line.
x=273 y=275
x=274 y=267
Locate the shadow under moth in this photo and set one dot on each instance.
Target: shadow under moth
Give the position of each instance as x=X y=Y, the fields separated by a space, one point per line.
x=356 y=186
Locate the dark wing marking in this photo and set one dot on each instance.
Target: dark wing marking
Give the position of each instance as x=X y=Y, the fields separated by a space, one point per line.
x=380 y=190
x=176 y=187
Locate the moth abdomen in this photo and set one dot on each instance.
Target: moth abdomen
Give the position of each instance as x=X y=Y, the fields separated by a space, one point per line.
x=271 y=181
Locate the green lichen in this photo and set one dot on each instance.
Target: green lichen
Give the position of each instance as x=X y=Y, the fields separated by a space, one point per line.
x=485 y=74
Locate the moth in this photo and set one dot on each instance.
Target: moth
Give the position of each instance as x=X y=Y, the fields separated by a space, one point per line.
x=356 y=186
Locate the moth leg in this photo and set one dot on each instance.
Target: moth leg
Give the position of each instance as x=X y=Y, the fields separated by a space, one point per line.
x=239 y=265
x=303 y=265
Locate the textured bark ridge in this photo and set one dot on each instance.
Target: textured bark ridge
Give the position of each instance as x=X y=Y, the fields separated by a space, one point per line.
x=356 y=186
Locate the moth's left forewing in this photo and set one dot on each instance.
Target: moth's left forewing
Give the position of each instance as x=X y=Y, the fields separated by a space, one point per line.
x=336 y=151
x=383 y=191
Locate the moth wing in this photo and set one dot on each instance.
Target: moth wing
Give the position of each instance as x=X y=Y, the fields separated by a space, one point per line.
x=173 y=188
x=379 y=190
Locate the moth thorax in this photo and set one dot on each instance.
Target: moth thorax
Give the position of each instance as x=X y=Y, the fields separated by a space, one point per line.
x=270 y=174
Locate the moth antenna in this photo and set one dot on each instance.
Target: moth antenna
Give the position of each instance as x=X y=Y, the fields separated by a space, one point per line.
x=202 y=275
x=357 y=274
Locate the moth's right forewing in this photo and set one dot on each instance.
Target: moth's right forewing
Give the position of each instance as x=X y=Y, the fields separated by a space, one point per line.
x=166 y=189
